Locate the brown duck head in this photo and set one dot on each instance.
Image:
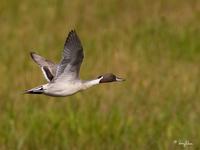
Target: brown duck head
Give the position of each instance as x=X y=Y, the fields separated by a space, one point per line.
x=109 y=77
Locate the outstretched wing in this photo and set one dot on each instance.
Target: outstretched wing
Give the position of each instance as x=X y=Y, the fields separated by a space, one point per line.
x=48 y=67
x=72 y=57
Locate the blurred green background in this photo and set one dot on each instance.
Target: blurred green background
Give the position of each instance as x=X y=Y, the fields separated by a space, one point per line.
x=154 y=44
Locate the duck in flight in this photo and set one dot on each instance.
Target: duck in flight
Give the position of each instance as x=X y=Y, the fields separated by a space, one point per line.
x=63 y=78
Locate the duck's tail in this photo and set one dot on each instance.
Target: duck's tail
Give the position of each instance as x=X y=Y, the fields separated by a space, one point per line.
x=36 y=90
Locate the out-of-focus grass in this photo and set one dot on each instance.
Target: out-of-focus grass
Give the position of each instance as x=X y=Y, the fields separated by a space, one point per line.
x=153 y=44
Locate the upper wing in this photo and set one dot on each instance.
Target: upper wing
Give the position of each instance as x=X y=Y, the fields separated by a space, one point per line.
x=69 y=67
x=48 y=67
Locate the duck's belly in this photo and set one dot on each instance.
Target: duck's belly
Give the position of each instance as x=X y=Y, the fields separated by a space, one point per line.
x=61 y=89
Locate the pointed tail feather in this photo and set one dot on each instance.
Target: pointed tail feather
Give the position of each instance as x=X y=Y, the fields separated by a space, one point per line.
x=37 y=90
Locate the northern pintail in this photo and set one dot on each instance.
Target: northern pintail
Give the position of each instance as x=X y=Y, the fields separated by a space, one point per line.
x=63 y=78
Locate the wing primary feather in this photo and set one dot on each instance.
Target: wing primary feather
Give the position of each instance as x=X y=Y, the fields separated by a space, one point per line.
x=72 y=57
x=48 y=67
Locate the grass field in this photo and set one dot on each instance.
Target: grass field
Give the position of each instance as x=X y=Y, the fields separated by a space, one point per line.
x=154 y=44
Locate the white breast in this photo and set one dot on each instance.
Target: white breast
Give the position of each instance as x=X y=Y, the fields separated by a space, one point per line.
x=63 y=89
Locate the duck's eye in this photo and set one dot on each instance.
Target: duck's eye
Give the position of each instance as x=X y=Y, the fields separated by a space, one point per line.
x=99 y=77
